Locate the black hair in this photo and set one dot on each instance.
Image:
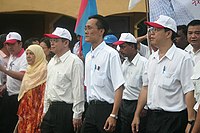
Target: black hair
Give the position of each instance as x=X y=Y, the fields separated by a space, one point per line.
x=46 y=41
x=183 y=28
x=194 y=23
x=101 y=23
x=30 y=41
x=2 y=40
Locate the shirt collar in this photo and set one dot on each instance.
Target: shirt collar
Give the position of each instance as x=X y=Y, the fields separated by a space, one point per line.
x=20 y=53
x=169 y=54
x=63 y=57
x=134 y=60
x=95 y=52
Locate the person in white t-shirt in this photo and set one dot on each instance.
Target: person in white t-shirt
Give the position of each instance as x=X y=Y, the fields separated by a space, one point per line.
x=169 y=91
x=193 y=37
x=15 y=70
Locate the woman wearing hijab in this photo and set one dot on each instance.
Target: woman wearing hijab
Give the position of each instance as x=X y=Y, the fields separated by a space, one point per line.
x=31 y=95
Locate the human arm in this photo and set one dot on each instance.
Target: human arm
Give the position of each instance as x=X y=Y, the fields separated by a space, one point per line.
x=78 y=94
x=190 y=101
x=141 y=103
x=196 y=128
x=14 y=74
x=111 y=122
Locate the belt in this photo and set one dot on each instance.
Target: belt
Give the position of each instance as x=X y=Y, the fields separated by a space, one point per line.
x=97 y=102
x=163 y=111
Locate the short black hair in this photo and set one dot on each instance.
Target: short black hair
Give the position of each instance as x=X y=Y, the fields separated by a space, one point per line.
x=183 y=28
x=30 y=41
x=194 y=22
x=101 y=23
x=2 y=40
x=46 y=41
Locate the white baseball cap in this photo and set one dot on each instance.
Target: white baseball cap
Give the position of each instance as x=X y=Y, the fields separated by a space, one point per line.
x=163 y=22
x=126 y=37
x=60 y=33
x=13 y=37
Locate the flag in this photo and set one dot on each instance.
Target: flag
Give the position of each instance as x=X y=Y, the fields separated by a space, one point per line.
x=87 y=9
x=132 y=3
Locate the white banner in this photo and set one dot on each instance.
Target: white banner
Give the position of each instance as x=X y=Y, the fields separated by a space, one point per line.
x=182 y=11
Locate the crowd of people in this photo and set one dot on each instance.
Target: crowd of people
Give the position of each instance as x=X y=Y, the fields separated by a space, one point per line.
x=120 y=86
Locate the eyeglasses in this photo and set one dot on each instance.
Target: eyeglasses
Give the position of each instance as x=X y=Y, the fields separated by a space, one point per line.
x=153 y=30
x=52 y=40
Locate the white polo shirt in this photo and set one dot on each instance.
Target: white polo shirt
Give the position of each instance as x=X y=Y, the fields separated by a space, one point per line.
x=16 y=63
x=169 y=79
x=103 y=73
x=133 y=74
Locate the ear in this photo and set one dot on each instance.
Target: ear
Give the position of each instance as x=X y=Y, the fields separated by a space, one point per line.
x=169 y=34
x=66 y=43
x=102 y=31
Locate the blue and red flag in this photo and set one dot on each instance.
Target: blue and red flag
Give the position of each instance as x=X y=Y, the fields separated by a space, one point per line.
x=87 y=9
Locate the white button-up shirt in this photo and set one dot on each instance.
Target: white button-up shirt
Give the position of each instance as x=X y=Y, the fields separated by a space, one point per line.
x=169 y=79
x=195 y=56
x=65 y=82
x=133 y=74
x=103 y=73
x=196 y=80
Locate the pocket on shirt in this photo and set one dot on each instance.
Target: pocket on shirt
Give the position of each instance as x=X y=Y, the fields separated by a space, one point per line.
x=166 y=81
x=61 y=81
x=99 y=79
x=136 y=81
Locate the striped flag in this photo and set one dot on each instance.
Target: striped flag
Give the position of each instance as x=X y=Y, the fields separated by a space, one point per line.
x=87 y=9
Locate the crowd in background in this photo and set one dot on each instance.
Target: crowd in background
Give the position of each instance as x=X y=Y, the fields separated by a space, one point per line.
x=121 y=86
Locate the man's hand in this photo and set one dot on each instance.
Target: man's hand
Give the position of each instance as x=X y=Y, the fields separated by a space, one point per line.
x=2 y=68
x=110 y=124
x=2 y=89
x=135 y=124
x=77 y=123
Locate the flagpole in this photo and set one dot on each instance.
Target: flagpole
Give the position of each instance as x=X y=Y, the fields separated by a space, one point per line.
x=148 y=19
x=147 y=9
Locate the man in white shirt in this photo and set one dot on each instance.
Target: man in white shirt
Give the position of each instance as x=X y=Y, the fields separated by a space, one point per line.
x=133 y=70
x=193 y=37
x=169 y=90
x=103 y=79
x=64 y=92
x=15 y=70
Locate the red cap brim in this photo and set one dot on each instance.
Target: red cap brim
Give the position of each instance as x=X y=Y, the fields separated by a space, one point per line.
x=119 y=42
x=152 y=24
x=12 y=41
x=51 y=36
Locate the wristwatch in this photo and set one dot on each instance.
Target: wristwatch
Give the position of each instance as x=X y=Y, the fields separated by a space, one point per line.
x=191 y=122
x=114 y=116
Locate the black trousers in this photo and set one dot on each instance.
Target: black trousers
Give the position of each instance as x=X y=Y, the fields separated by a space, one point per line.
x=166 y=122
x=96 y=116
x=8 y=116
x=127 y=111
x=58 y=119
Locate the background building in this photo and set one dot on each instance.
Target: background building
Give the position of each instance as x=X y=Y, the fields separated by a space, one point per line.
x=34 y=18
